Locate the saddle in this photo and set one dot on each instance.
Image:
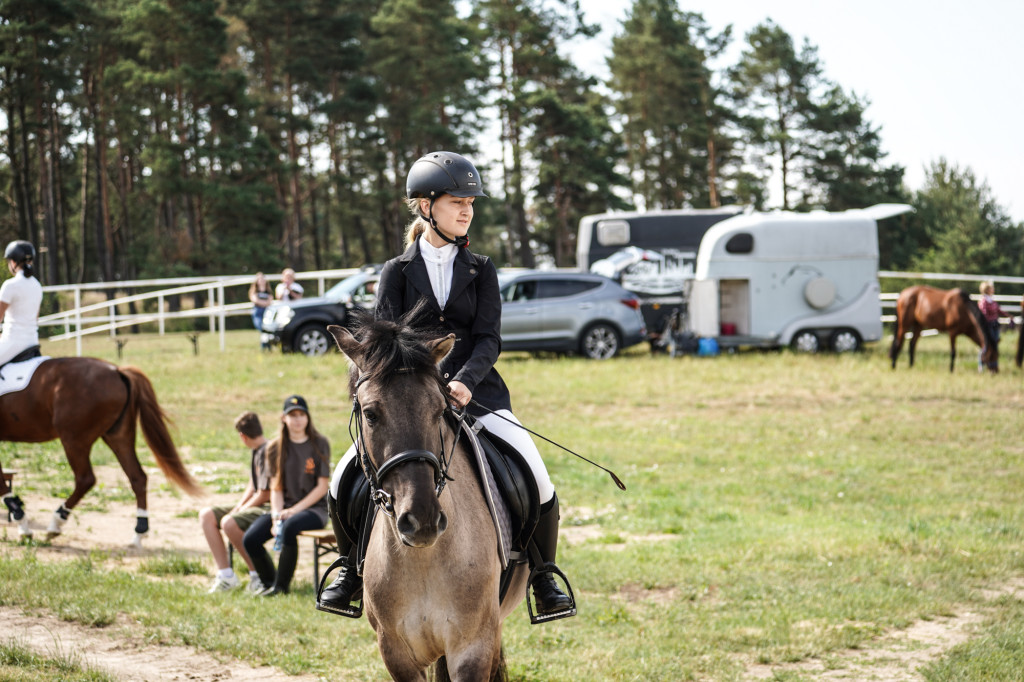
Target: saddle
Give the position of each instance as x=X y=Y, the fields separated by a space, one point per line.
x=509 y=488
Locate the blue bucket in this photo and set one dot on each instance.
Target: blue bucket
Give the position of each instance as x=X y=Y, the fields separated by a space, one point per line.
x=707 y=347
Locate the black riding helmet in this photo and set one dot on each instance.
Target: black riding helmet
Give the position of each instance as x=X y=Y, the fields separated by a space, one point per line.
x=440 y=173
x=20 y=251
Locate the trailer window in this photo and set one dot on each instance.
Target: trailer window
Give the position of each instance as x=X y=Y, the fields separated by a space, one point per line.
x=742 y=242
x=612 y=232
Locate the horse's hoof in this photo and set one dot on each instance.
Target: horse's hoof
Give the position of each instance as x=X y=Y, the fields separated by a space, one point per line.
x=51 y=534
x=136 y=541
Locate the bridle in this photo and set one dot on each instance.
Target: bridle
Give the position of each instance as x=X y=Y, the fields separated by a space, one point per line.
x=375 y=474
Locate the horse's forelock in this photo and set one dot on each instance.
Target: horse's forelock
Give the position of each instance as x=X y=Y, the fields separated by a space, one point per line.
x=390 y=347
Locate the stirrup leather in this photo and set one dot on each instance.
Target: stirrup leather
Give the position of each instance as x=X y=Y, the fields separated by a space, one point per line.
x=349 y=611
x=568 y=612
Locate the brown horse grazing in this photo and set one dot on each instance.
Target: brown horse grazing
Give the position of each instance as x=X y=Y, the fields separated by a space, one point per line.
x=82 y=400
x=923 y=307
x=431 y=574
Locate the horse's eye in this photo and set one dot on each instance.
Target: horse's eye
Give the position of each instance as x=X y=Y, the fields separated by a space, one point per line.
x=370 y=416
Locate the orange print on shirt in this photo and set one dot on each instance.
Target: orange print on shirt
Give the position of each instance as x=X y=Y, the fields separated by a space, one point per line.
x=310 y=466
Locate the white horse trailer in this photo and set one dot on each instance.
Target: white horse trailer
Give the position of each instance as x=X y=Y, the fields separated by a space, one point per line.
x=809 y=280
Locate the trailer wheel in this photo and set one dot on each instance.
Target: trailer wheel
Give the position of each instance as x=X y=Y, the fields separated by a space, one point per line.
x=805 y=341
x=844 y=341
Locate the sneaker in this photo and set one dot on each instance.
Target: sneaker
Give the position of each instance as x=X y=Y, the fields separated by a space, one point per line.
x=256 y=586
x=224 y=584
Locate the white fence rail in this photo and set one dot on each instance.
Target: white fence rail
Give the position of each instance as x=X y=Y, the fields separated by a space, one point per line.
x=109 y=316
x=114 y=314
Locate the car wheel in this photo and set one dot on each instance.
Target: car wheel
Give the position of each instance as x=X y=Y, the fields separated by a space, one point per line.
x=312 y=340
x=805 y=341
x=600 y=342
x=844 y=341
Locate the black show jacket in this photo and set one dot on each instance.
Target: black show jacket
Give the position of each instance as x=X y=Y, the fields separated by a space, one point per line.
x=472 y=313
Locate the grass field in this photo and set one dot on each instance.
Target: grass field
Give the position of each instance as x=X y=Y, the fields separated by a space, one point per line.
x=780 y=508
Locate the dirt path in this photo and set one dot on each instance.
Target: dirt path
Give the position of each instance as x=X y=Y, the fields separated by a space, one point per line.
x=119 y=653
x=896 y=656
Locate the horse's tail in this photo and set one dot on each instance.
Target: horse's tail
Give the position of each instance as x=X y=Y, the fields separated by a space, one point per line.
x=1020 y=338
x=142 y=403
x=987 y=339
x=439 y=671
x=903 y=304
x=1020 y=345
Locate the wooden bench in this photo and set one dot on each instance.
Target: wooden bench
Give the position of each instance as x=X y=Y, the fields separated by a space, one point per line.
x=324 y=543
x=9 y=480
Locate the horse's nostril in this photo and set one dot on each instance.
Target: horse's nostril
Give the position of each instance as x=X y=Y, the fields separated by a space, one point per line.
x=442 y=523
x=407 y=524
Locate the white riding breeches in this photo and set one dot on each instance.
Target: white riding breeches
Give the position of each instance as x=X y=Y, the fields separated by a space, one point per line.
x=510 y=433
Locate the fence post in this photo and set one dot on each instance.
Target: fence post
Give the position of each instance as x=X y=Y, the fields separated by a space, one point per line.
x=223 y=316
x=160 y=311
x=112 y=318
x=78 y=321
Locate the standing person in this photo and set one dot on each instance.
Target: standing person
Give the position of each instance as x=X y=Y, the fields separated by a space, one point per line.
x=234 y=521
x=20 y=298
x=261 y=296
x=992 y=312
x=300 y=467
x=462 y=290
x=288 y=289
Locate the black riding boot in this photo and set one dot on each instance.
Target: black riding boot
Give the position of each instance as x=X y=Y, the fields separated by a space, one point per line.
x=285 y=571
x=262 y=563
x=337 y=597
x=549 y=596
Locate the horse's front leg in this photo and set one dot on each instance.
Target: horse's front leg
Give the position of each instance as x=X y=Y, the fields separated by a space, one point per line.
x=400 y=662
x=85 y=479
x=480 y=660
x=15 y=507
x=952 y=352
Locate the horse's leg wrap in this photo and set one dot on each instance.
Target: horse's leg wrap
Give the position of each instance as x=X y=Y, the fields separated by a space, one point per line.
x=141 y=527
x=14 y=506
x=60 y=517
x=17 y=509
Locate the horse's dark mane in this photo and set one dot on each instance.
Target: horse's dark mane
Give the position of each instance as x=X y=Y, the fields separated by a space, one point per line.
x=390 y=346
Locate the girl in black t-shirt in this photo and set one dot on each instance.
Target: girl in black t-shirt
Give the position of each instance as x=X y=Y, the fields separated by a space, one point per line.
x=300 y=467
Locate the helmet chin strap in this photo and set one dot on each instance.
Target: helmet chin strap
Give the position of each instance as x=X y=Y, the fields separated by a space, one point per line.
x=460 y=242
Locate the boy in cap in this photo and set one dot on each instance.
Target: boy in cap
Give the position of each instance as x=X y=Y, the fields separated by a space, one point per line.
x=234 y=521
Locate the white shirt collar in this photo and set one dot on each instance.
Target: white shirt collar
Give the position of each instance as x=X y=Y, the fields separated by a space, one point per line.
x=432 y=254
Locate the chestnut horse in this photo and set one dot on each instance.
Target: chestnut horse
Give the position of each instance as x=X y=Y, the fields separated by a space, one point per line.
x=431 y=574
x=80 y=401
x=922 y=307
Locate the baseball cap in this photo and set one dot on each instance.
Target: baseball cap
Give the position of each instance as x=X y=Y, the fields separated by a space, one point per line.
x=295 y=402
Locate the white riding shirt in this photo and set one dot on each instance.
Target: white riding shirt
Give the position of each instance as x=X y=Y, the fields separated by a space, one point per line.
x=23 y=296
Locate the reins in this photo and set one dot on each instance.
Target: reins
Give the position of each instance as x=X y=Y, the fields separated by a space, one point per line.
x=375 y=474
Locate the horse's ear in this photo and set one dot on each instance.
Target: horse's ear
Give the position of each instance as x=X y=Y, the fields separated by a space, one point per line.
x=347 y=343
x=441 y=347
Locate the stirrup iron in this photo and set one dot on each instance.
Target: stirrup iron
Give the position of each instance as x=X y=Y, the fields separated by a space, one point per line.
x=350 y=611
x=568 y=612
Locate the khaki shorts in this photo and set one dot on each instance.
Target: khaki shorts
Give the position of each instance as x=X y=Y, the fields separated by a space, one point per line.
x=243 y=518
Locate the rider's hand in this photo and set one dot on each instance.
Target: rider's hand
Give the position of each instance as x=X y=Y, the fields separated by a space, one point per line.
x=459 y=393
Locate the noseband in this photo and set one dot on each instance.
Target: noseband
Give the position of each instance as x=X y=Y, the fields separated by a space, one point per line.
x=375 y=474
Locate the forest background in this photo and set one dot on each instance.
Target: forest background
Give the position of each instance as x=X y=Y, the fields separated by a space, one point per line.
x=157 y=138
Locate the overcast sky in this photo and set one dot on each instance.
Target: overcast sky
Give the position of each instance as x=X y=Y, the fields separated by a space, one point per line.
x=943 y=78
